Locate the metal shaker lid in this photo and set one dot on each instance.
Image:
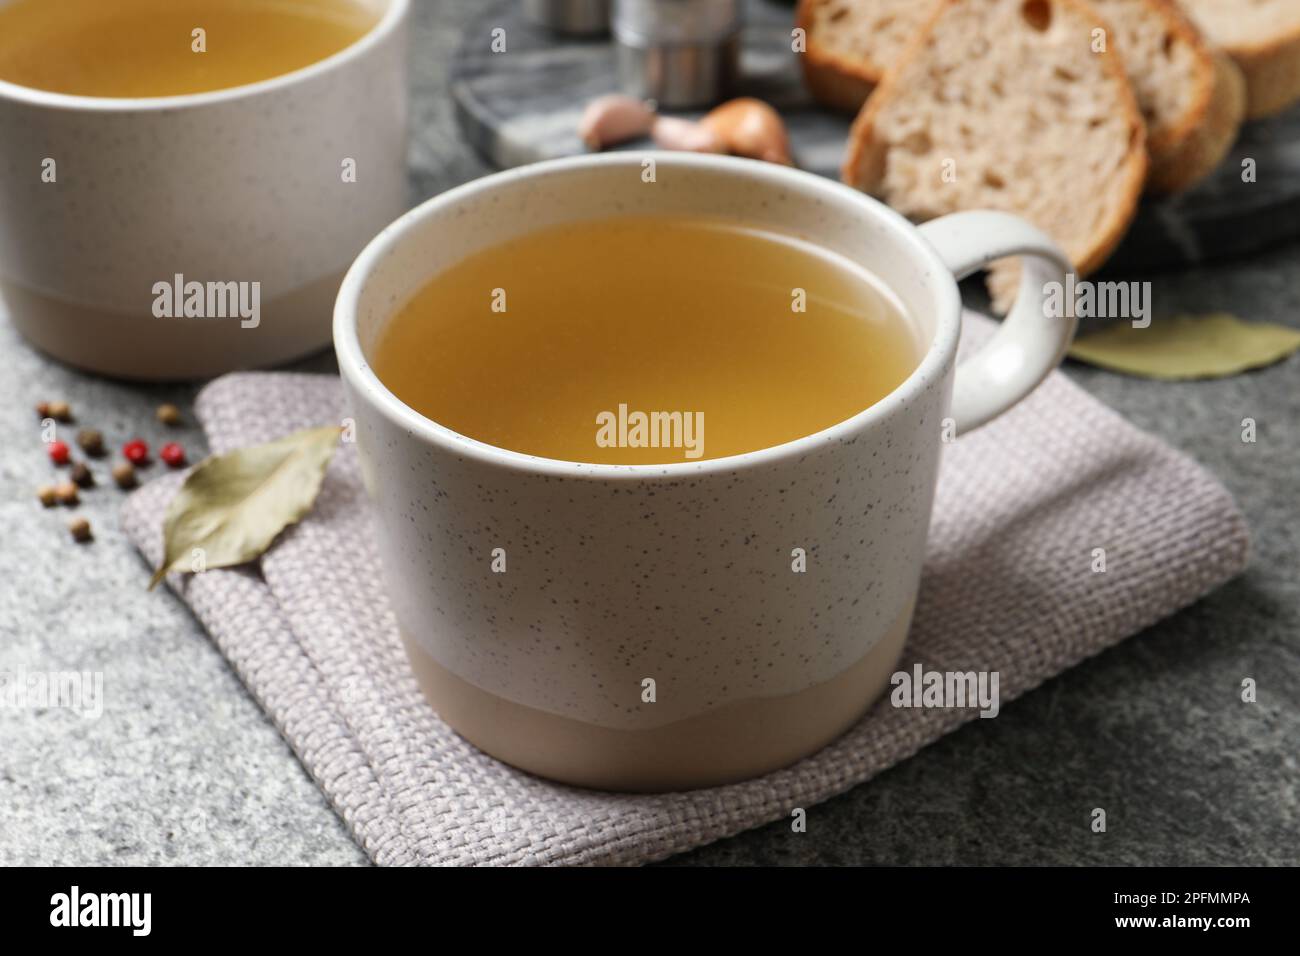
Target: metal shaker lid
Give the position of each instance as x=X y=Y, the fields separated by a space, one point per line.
x=657 y=22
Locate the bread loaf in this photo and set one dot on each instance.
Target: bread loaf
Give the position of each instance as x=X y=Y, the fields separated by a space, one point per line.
x=1263 y=37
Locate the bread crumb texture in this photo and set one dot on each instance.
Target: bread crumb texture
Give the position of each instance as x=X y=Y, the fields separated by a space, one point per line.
x=1005 y=105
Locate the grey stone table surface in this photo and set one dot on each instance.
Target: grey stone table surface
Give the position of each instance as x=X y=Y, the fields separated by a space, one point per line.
x=184 y=768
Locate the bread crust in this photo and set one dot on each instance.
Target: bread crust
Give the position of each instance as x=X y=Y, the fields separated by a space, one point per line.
x=864 y=161
x=1181 y=154
x=1189 y=151
x=1214 y=129
x=842 y=83
x=1272 y=72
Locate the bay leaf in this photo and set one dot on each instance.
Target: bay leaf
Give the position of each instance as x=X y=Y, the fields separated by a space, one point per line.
x=1187 y=346
x=232 y=506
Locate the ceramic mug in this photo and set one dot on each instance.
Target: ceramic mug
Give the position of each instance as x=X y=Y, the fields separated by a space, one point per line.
x=244 y=185
x=680 y=574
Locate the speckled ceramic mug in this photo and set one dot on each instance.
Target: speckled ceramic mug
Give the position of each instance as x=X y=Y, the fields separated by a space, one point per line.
x=242 y=185
x=682 y=574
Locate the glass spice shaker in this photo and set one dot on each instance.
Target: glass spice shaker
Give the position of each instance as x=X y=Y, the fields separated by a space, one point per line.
x=584 y=18
x=680 y=53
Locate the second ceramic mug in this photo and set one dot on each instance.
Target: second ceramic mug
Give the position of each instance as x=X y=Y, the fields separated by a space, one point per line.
x=235 y=189
x=679 y=573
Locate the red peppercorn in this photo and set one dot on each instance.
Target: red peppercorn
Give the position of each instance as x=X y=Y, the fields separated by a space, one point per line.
x=58 y=452
x=135 y=451
x=173 y=454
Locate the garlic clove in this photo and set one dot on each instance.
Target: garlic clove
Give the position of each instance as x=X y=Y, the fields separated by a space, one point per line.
x=614 y=118
x=671 y=132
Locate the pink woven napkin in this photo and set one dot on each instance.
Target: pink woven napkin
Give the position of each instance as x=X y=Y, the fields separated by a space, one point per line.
x=1008 y=586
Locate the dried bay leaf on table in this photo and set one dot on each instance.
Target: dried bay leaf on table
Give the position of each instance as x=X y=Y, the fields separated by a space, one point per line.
x=232 y=506
x=1186 y=346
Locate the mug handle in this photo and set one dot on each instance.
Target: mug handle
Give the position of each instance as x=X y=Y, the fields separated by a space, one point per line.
x=1029 y=343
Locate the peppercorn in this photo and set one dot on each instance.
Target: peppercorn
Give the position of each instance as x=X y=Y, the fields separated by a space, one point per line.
x=124 y=474
x=80 y=529
x=60 y=411
x=66 y=492
x=81 y=475
x=91 y=441
x=49 y=497
x=136 y=451
x=173 y=454
x=169 y=414
x=58 y=452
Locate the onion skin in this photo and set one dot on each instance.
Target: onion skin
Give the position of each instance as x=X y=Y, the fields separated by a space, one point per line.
x=751 y=128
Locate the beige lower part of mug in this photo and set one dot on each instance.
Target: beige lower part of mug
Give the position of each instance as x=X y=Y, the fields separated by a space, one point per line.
x=744 y=739
x=145 y=348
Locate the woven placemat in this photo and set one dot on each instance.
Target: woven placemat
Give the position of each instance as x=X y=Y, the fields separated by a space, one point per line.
x=1009 y=586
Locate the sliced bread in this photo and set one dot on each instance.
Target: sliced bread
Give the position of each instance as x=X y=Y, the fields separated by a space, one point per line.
x=1002 y=104
x=850 y=44
x=1192 y=98
x=1263 y=37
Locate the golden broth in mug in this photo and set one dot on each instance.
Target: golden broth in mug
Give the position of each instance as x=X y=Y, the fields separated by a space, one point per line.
x=147 y=48
x=553 y=344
